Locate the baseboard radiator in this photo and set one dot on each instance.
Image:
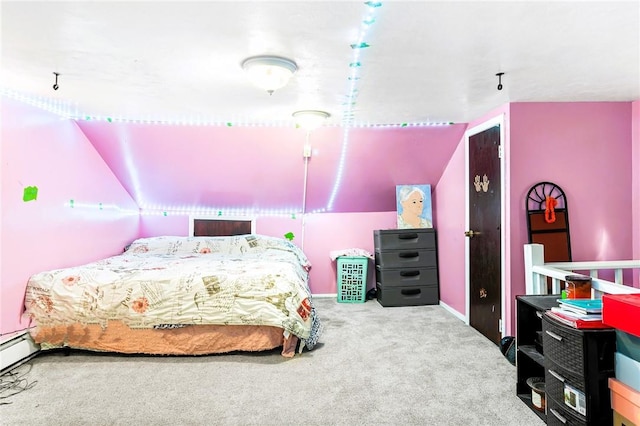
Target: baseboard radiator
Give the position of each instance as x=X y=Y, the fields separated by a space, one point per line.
x=16 y=350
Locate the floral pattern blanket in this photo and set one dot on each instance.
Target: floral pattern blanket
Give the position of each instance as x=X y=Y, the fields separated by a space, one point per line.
x=163 y=282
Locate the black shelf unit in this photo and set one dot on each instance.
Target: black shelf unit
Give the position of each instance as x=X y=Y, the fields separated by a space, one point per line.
x=583 y=360
x=529 y=353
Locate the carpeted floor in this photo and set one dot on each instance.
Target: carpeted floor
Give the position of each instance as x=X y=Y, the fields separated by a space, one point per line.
x=374 y=366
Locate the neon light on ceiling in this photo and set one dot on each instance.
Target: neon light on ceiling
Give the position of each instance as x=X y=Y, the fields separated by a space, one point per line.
x=348 y=115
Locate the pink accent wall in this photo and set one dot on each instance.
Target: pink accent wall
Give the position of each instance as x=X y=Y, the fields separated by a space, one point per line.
x=449 y=200
x=354 y=172
x=375 y=161
x=586 y=149
x=40 y=149
x=263 y=168
x=635 y=185
x=327 y=232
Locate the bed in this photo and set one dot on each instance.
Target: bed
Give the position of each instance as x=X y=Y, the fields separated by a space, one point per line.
x=172 y=295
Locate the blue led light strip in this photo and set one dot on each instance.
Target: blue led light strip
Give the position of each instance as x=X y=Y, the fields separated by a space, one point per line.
x=348 y=115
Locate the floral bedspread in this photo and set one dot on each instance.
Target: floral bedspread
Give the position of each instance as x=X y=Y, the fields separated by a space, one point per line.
x=165 y=282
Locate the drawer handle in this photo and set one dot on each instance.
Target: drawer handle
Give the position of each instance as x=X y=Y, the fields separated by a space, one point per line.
x=409 y=273
x=557 y=376
x=554 y=335
x=412 y=236
x=409 y=254
x=410 y=292
x=558 y=416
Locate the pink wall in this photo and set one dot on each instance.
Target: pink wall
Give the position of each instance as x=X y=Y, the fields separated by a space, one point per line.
x=350 y=171
x=262 y=168
x=584 y=147
x=39 y=149
x=635 y=185
x=327 y=232
x=450 y=208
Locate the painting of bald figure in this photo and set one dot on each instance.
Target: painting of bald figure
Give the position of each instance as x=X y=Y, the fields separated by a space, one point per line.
x=414 y=206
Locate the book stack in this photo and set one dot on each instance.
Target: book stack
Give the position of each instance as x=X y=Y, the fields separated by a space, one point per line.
x=579 y=313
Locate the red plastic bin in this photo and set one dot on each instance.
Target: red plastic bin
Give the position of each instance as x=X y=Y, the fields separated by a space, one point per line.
x=620 y=311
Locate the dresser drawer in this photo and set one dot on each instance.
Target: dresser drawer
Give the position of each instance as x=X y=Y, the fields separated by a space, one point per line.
x=558 y=415
x=401 y=239
x=564 y=346
x=407 y=296
x=597 y=405
x=556 y=378
x=578 y=363
x=405 y=259
x=407 y=276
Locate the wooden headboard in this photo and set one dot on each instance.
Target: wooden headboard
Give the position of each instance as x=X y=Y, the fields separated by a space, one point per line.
x=213 y=226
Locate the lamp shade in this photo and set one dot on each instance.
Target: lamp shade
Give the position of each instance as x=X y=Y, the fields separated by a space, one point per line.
x=310 y=119
x=269 y=73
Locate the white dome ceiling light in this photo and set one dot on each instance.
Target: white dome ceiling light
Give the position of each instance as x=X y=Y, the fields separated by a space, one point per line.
x=269 y=73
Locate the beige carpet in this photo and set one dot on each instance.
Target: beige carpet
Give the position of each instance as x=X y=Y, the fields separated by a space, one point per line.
x=374 y=366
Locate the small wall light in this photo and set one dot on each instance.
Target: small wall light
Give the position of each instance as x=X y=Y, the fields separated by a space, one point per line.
x=310 y=119
x=269 y=73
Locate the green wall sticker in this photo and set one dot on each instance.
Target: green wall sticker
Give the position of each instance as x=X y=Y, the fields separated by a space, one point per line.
x=289 y=236
x=30 y=193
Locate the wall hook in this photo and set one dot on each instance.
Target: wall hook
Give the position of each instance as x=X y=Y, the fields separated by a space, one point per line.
x=55 y=85
x=500 y=74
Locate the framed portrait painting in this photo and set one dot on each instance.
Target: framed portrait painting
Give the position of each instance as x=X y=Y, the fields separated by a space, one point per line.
x=414 y=206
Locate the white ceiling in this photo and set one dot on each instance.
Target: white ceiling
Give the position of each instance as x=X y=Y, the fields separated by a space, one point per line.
x=428 y=61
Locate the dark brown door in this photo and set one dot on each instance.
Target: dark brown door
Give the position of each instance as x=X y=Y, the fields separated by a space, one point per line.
x=485 y=295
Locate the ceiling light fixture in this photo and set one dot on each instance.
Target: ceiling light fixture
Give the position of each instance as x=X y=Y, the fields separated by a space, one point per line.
x=310 y=119
x=269 y=72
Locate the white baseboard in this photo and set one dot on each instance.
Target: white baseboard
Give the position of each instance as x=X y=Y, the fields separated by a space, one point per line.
x=16 y=350
x=455 y=313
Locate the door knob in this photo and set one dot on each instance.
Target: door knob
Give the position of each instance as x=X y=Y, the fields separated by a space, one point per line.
x=471 y=234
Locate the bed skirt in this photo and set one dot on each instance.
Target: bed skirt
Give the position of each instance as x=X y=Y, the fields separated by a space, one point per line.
x=188 y=340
